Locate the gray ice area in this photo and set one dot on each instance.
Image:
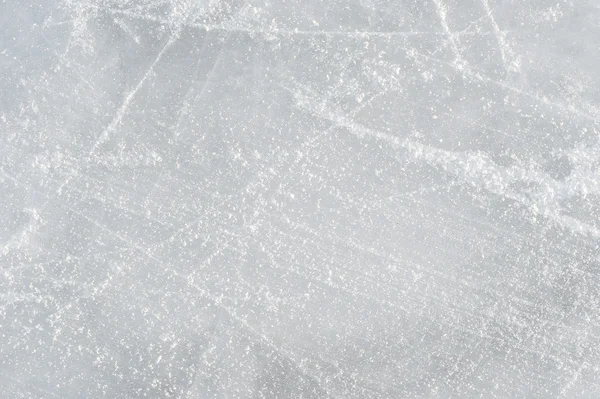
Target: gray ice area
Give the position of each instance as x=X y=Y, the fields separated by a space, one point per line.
x=299 y=199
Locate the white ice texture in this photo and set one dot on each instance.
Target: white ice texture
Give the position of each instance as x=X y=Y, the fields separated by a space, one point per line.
x=299 y=199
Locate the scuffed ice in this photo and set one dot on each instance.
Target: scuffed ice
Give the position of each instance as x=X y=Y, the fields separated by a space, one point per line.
x=299 y=198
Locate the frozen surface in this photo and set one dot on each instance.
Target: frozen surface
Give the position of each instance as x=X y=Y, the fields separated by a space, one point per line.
x=299 y=198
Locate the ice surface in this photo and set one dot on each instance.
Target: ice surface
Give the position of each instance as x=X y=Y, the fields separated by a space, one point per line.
x=299 y=198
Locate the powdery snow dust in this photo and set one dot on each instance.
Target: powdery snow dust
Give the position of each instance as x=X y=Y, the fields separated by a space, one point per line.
x=299 y=199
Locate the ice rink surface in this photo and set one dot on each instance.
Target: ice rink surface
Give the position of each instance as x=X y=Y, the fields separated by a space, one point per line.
x=299 y=199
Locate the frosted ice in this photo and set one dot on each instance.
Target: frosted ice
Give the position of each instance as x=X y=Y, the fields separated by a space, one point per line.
x=299 y=198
